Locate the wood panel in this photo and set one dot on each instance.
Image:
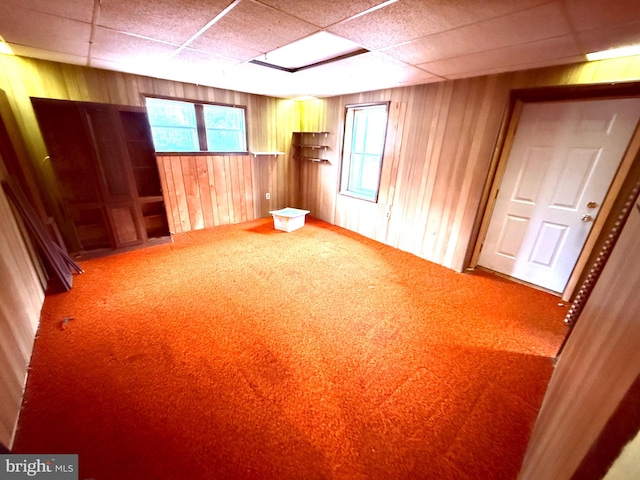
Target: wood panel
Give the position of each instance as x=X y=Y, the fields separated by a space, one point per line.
x=437 y=163
x=438 y=156
x=21 y=299
x=439 y=152
x=598 y=365
x=15 y=155
x=205 y=191
x=270 y=122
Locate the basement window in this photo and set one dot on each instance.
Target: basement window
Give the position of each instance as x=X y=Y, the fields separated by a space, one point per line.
x=183 y=126
x=364 y=138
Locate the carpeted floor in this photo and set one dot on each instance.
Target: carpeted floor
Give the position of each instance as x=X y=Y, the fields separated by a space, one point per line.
x=242 y=352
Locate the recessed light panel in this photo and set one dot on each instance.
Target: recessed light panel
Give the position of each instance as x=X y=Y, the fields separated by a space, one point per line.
x=315 y=49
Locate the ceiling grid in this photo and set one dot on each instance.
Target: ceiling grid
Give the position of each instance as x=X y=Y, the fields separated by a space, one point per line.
x=380 y=44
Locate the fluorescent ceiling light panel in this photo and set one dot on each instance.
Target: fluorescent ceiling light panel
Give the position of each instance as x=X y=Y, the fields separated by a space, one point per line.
x=614 y=53
x=315 y=49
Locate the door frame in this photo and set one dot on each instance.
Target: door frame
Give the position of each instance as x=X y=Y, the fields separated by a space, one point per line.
x=503 y=150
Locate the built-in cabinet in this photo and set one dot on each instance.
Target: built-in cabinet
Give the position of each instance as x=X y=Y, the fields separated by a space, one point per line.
x=310 y=146
x=104 y=162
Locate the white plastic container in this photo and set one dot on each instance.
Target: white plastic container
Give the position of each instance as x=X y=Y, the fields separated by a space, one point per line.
x=288 y=219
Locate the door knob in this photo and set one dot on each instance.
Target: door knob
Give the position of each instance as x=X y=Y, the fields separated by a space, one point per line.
x=586 y=218
x=592 y=205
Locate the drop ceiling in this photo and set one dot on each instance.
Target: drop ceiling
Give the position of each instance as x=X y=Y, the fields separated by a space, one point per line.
x=403 y=42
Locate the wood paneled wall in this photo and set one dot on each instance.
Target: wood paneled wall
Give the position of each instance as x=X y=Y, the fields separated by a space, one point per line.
x=439 y=155
x=439 y=152
x=21 y=298
x=205 y=191
x=598 y=365
x=235 y=187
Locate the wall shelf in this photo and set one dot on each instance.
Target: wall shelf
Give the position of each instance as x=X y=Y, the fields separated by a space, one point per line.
x=319 y=147
x=313 y=159
x=310 y=146
x=266 y=154
x=313 y=134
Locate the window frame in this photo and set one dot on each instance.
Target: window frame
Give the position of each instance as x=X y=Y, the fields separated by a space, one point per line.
x=346 y=160
x=201 y=127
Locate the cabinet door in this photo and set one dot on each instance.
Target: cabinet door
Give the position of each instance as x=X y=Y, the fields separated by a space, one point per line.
x=64 y=130
x=116 y=179
x=110 y=152
x=125 y=224
x=70 y=152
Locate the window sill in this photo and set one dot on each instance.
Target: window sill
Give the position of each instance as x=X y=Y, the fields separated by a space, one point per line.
x=358 y=197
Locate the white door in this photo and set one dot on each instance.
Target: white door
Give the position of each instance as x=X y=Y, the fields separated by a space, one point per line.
x=563 y=159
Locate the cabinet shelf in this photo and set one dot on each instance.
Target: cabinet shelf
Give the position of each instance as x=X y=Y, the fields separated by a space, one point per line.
x=151 y=199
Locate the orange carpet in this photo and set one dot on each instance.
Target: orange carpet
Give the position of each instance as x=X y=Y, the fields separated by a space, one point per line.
x=241 y=352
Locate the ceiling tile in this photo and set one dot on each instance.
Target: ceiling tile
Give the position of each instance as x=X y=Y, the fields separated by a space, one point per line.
x=173 y=21
x=591 y=14
x=251 y=29
x=195 y=64
x=189 y=56
x=524 y=66
x=46 y=32
x=452 y=38
x=243 y=77
x=322 y=12
x=606 y=38
x=122 y=48
x=407 y=20
x=545 y=21
x=81 y=10
x=135 y=69
x=371 y=71
x=507 y=58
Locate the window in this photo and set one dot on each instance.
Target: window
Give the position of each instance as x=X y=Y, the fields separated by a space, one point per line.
x=182 y=126
x=364 y=137
x=225 y=128
x=173 y=125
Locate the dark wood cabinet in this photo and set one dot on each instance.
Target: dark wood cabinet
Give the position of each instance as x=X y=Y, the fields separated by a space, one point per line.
x=107 y=177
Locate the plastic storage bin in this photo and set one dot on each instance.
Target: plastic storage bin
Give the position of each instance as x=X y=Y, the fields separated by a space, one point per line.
x=288 y=219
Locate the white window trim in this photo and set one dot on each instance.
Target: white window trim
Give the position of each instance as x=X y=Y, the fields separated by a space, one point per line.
x=201 y=128
x=346 y=151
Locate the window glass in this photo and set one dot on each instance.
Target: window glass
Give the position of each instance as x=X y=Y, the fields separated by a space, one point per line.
x=173 y=125
x=179 y=126
x=365 y=130
x=225 y=128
